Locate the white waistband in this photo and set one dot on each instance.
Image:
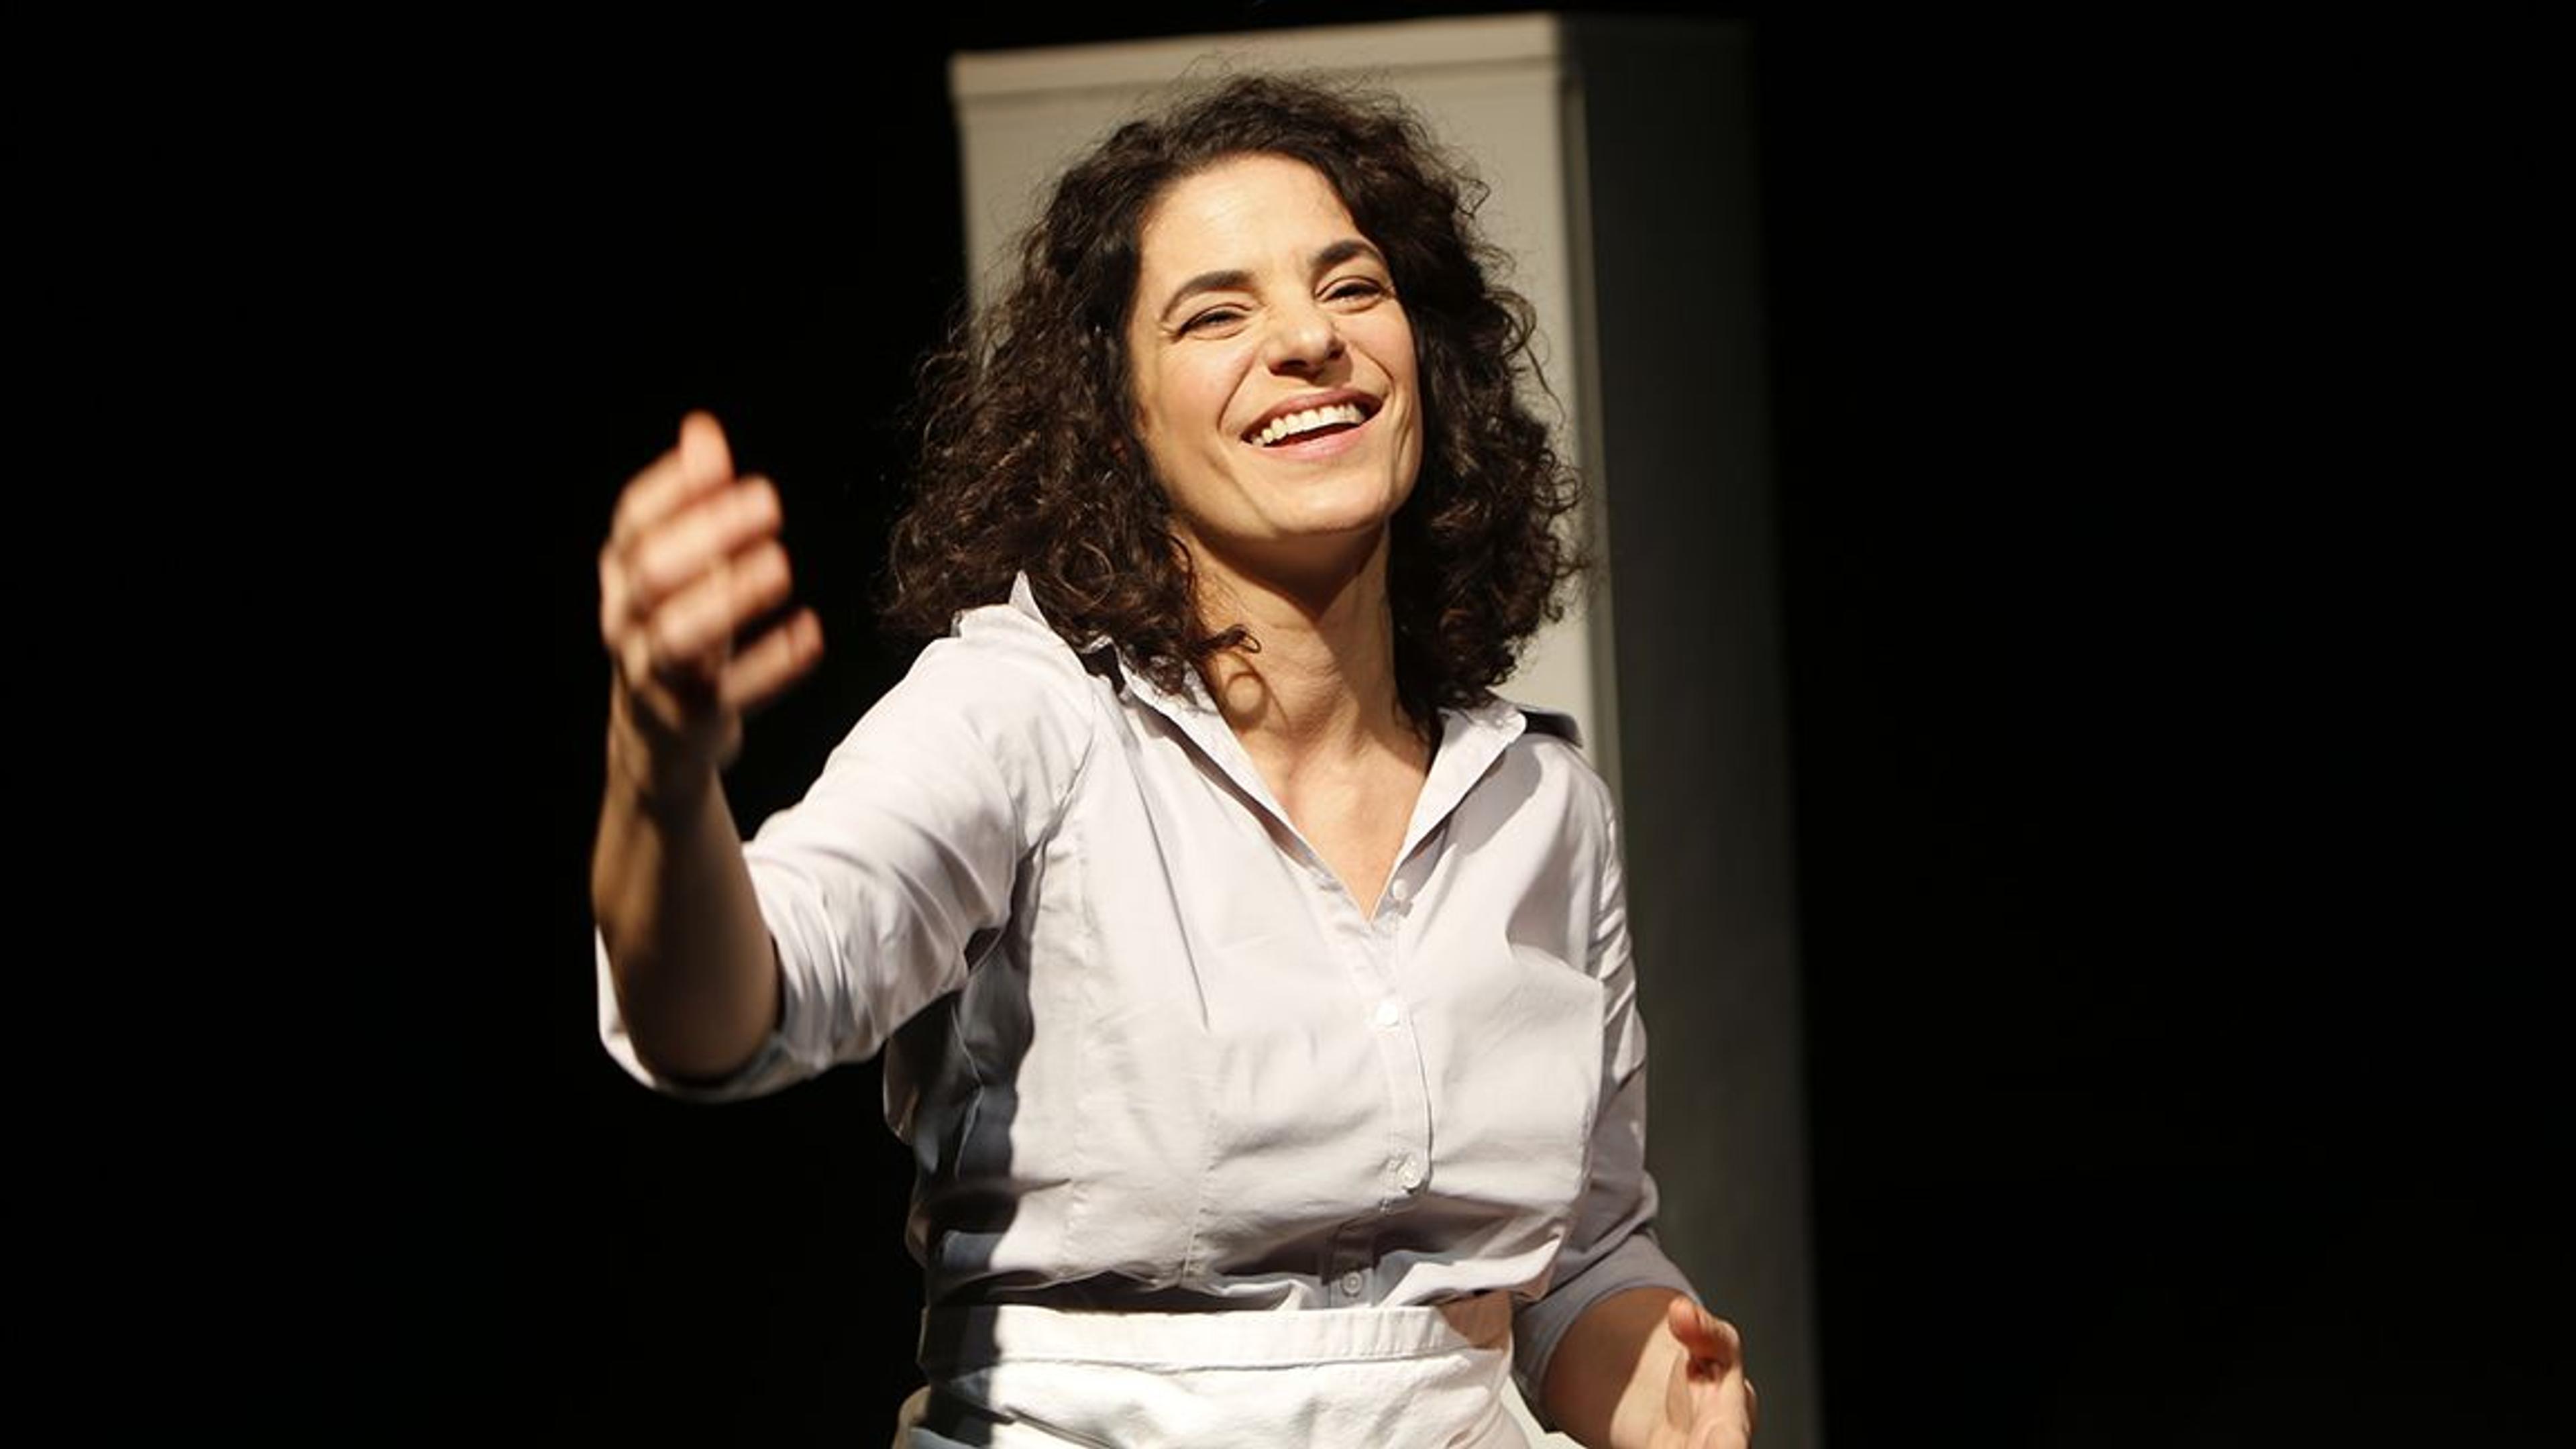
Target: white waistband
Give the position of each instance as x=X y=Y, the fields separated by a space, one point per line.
x=961 y=1340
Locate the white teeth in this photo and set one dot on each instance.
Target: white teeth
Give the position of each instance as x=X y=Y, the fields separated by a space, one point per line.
x=1291 y=424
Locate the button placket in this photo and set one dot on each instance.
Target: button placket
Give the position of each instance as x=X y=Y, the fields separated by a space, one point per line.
x=1346 y=1264
x=1407 y=1164
x=1393 y=908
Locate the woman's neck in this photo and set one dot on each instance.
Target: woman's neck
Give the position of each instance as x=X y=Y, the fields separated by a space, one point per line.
x=1322 y=683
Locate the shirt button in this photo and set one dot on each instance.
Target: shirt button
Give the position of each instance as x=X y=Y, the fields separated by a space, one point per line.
x=1408 y=1172
x=1352 y=1283
x=1389 y=1014
x=1399 y=890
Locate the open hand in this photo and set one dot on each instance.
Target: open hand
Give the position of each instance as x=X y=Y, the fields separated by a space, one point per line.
x=1708 y=1402
x=692 y=562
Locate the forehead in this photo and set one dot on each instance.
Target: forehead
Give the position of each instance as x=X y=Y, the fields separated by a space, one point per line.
x=1240 y=213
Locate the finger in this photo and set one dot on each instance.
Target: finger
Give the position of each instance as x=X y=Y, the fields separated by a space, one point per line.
x=692 y=633
x=638 y=574
x=1703 y=1335
x=699 y=463
x=615 y=598
x=762 y=669
x=704 y=539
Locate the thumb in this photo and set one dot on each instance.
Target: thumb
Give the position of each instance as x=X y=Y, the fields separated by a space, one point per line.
x=703 y=450
x=1703 y=1335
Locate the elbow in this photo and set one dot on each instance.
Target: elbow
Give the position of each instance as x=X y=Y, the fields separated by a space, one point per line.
x=695 y=1028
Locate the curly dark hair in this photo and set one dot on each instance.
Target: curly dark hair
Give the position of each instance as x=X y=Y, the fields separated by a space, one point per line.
x=1006 y=484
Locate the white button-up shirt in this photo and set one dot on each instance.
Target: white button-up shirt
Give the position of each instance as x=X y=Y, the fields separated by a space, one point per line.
x=1148 y=1050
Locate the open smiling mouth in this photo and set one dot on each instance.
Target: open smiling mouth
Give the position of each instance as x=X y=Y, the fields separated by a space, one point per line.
x=1309 y=423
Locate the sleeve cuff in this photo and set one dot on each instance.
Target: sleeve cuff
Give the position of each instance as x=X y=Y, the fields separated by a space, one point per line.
x=772 y=1067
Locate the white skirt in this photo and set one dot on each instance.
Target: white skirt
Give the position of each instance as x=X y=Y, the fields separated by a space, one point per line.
x=1017 y=1377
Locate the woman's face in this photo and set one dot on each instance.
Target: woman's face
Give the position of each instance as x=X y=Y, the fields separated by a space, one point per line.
x=1274 y=373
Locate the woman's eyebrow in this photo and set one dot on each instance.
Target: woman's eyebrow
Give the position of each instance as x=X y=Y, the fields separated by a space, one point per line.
x=1235 y=278
x=1343 y=251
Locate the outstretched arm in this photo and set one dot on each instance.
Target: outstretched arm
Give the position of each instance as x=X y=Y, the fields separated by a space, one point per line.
x=692 y=562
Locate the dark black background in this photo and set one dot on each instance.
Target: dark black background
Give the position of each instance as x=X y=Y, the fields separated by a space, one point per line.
x=2155 y=618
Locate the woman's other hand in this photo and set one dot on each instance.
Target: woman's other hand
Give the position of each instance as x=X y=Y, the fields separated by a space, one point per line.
x=1647 y=1368
x=1708 y=1402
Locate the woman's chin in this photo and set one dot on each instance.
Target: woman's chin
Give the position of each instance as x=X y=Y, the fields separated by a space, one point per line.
x=1317 y=553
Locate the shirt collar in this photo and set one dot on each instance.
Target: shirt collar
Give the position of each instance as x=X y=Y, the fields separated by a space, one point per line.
x=1471 y=738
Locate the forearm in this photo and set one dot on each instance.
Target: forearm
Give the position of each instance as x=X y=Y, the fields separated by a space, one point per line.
x=696 y=975
x=1607 y=1380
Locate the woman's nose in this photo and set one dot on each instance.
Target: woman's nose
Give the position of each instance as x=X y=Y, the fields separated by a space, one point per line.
x=1302 y=339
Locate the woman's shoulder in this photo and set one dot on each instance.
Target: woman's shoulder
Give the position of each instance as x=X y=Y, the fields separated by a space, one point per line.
x=1007 y=653
x=1001 y=688
x=995 y=720
x=1543 y=763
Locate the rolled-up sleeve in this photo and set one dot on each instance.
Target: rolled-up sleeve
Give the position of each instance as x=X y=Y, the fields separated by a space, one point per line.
x=905 y=848
x=1610 y=1246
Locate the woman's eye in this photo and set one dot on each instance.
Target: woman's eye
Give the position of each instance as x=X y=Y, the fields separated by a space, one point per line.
x=1355 y=289
x=1213 y=319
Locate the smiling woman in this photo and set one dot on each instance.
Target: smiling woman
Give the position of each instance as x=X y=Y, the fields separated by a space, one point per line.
x=1254 y=984
x=1035 y=459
